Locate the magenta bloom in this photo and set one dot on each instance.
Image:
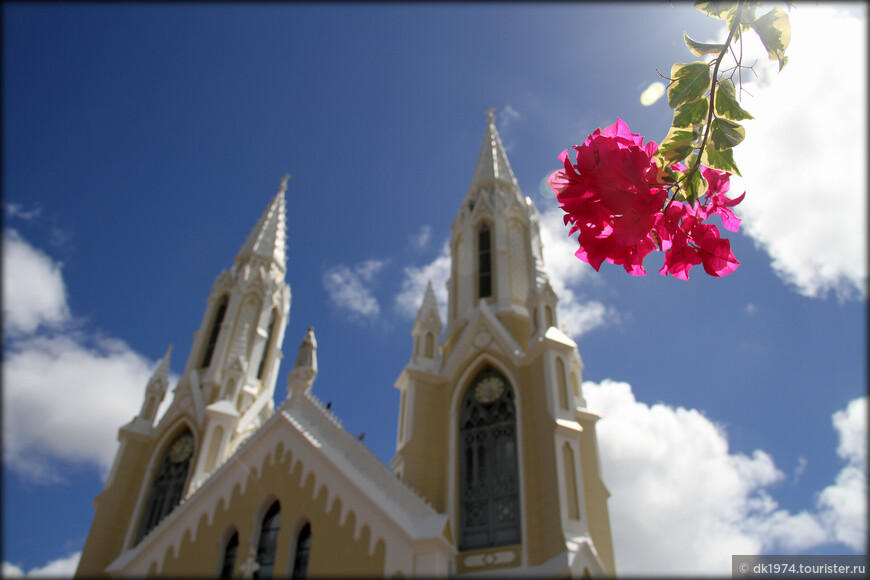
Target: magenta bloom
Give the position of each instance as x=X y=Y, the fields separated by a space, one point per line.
x=614 y=197
x=608 y=197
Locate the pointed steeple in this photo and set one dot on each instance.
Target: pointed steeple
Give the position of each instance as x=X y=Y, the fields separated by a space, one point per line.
x=492 y=164
x=268 y=239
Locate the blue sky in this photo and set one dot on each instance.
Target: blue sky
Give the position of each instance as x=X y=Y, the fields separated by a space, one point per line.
x=143 y=141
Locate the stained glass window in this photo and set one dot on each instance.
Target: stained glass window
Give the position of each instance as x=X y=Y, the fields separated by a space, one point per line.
x=489 y=504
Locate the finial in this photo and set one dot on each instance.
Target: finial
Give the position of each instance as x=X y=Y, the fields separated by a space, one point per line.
x=284 y=181
x=490 y=115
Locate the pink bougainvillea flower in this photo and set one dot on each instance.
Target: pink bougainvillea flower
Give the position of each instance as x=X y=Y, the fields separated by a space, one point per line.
x=615 y=199
x=610 y=196
x=719 y=203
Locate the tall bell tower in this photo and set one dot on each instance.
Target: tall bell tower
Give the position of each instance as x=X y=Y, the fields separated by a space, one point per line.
x=493 y=427
x=224 y=394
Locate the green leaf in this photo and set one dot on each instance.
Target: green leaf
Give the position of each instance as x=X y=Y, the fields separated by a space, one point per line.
x=725 y=134
x=721 y=160
x=721 y=9
x=702 y=48
x=693 y=187
x=688 y=82
x=693 y=113
x=676 y=146
x=742 y=18
x=775 y=32
x=726 y=102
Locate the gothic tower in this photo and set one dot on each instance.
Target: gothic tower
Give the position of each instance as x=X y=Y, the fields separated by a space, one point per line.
x=223 y=396
x=493 y=428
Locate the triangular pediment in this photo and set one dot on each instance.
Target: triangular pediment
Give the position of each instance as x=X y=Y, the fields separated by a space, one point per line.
x=483 y=333
x=483 y=208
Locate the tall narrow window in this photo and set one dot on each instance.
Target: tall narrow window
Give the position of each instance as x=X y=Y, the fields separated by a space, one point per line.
x=215 y=331
x=430 y=345
x=484 y=261
x=570 y=482
x=168 y=486
x=561 y=384
x=231 y=550
x=267 y=347
x=268 y=541
x=303 y=548
x=489 y=498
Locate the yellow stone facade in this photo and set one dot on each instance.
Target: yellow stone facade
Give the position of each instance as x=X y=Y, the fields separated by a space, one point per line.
x=366 y=519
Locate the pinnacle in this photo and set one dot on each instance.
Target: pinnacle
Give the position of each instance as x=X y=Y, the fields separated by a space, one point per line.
x=163 y=368
x=429 y=304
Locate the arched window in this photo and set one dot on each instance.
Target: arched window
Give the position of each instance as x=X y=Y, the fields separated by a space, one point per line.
x=213 y=334
x=268 y=541
x=267 y=347
x=484 y=261
x=168 y=486
x=303 y=548
x=489 y=498
x=231 y=550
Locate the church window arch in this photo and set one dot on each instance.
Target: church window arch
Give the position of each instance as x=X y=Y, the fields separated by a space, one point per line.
x=301 y=553
x=268 y=542
x=430 y=346
x=149 y=408
x=267 y=346
x=229 y=555
x=548 y=311
x=169 y=482
x=210 y=344
x=484 y=261
x=489 y=498
x=561 y=384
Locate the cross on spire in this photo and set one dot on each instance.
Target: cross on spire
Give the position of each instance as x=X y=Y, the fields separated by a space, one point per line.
x=490 y=115
x=284 y=181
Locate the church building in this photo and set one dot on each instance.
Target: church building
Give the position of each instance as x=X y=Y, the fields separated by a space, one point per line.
x=496 y=469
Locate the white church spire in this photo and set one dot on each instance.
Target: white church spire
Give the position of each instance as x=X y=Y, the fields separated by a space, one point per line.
x=268 y=239
x=492 y=164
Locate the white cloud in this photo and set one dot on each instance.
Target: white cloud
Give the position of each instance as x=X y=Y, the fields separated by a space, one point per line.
x=804 y=157
x=60 y=568
x=681 y=503
x=567 y=272
x=11 y=571
x=16 y=210
x=844 y=504
x=34 y=294
x=421 y=238
x=50 y=388
x=349 y=288
x=414 y=284
x=51 y=381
